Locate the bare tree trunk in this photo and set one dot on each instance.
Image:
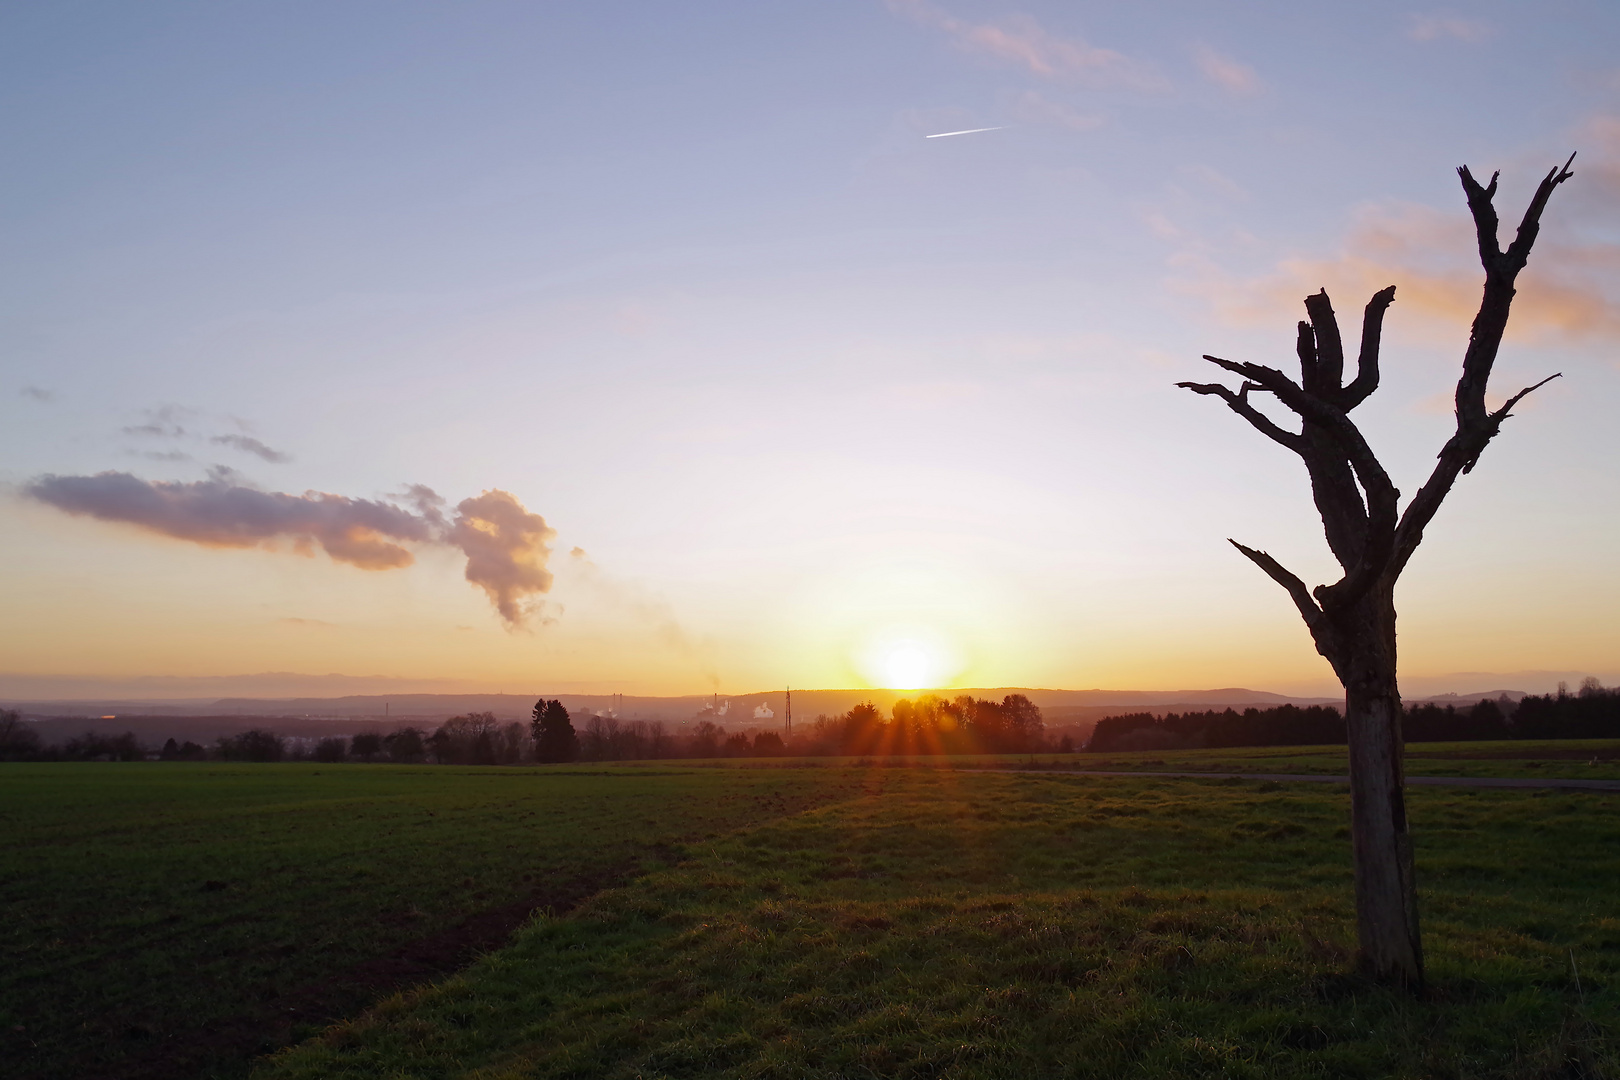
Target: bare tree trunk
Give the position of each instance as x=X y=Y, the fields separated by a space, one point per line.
x=1386 y=888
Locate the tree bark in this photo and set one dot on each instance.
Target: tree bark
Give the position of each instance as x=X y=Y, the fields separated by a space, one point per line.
x=1386 y=886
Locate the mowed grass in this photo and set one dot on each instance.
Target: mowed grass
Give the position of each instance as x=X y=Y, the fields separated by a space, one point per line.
x=1576 y=759
x=941 y=923
x=177 y=919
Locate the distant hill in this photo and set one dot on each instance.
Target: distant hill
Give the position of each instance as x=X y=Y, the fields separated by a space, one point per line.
x=806 y=703
x=1066 y=711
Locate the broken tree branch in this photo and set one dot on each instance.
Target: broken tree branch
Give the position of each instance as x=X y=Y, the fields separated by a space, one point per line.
x=1314 y=617
x=1372 y=332
x=1239 y=403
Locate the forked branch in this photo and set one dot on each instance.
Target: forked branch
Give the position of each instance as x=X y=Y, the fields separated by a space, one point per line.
x=1238 y=402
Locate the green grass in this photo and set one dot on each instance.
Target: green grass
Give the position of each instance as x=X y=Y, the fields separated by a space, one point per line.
x=173 y=919
x=944 y=923
x=782 y=919
x=1582 y=759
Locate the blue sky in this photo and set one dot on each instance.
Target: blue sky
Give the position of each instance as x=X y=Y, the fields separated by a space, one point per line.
x=799 y=382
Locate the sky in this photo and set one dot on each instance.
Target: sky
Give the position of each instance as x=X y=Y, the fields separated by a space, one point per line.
x=623 y=347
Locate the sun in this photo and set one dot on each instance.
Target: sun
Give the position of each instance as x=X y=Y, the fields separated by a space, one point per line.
x=907 y=667
x=907 y=657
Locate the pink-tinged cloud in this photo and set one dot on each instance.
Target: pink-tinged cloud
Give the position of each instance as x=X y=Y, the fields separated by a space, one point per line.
x=505 y=545
x=1022 y=41
x=218 y=512
x=506 y=551
x=1570 y=291
x=1227 y=73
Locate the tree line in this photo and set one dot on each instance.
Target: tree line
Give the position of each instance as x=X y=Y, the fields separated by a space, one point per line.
x=1592 y=712
x=929 y=725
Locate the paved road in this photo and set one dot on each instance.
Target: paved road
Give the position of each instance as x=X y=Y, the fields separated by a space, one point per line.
x=1321 y=778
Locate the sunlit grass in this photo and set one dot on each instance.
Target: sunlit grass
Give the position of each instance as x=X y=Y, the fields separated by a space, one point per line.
x=979 y=925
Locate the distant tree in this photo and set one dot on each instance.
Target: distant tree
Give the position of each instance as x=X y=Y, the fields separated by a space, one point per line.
x=603 y=740
x=1024 y=724
x=864 y=730
x=18 y=740
x=768 y=744
x=1352 y=621
x=705 y=739
x=406 y=746
x=253 y=745
x=657 y=740
x=1594 y=713
x=331 y=750
x=94 y=746
x=554 y=738
x=511 y=744
x=736 y=745
x=366 y=745
x=467 y=740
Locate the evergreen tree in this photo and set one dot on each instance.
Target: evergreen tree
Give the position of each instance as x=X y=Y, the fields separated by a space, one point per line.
x=554 y=738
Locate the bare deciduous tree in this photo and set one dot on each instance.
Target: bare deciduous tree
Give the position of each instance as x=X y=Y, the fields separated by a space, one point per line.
x=1353 y=620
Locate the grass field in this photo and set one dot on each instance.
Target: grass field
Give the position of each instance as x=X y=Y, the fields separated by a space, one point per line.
x=174 y=919
x=824 y=919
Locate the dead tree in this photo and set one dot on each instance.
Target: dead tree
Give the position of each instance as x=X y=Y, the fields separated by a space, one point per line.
x=1352 y=620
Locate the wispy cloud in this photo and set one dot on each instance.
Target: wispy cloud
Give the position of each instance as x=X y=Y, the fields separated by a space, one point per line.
x=163 y=422
x=36 y=393
x=1438 y=27
x=1022 y=41
x=249 y=445
x=1031 y=107
x=505 y=544
x=1571 y=289
x=1227 y=73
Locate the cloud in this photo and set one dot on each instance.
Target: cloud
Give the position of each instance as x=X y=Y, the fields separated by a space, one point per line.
x=1024 y=42
x=505 y=545
x=1570 y=290
x=506 y=551
x=1031 y=108
x=161 y=423
x=1227 y=73
x=248 y=444
x=36 y=393
x=294 y=621
x=1435 y=27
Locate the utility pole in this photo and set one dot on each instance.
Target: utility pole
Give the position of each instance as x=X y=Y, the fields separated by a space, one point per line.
x=790 y=711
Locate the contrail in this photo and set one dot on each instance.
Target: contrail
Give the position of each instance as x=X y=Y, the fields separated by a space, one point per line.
x=969 y=131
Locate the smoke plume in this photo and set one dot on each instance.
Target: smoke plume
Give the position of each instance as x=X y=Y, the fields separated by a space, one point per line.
x=506 y=551
x=505 y=545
